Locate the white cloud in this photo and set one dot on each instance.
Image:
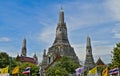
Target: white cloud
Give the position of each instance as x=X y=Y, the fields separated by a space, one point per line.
x=47 y=35
x=4 y=39
x=116 y=30
x=117 y=35
x=114 y=7
x=40 y=56
x=100 y=50
x=80 y=51
x=99 y=42
x=9 y=52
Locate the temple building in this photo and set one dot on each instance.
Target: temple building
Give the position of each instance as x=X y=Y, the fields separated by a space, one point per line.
x=24 y=58
x=60 y=47
x=100 y=62
x=89 y=61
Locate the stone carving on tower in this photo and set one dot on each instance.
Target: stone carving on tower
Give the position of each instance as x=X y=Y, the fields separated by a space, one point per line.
x=24 y=49
x=89 y=61
x=61 y=46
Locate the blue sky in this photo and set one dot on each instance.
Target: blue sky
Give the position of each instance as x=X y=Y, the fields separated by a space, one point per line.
x=37 y=21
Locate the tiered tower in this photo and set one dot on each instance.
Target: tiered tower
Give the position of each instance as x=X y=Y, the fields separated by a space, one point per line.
x=61 y=46
x=89 y=61
x=24 y=49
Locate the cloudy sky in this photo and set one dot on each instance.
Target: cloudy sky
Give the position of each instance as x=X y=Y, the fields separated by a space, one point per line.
x=37 y=21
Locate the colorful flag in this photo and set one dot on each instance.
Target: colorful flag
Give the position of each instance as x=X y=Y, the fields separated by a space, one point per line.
x=27 y=70
x=79 y=70
x=15 y=70
x=93 y=71
x=4 y=70
x=105 y=72
x=114 y=71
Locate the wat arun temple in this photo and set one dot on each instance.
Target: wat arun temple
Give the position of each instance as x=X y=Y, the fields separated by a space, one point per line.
x=60 y=47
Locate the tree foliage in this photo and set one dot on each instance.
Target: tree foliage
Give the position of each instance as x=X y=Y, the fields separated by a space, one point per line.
x=64 y=67
x=4 y=59
x=68 y=64
x=33 y=70
x=116 y=55
x=56 y=71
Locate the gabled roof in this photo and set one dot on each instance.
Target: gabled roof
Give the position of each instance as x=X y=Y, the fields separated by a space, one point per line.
x=100 y=62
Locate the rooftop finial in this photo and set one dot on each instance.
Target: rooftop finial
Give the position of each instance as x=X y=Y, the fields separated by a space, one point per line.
x=24 y=43
x=44 y=53
x=61 y=9
x=61 y=16
x=88 y=41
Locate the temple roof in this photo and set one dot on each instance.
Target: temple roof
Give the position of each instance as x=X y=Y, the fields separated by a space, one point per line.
x=99 y=62
x=27 y=59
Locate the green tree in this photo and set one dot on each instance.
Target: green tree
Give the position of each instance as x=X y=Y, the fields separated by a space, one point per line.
x=110 y=65
x=56 y=71
x=14 y=62
x=116 y=55
x=33 y=70
x=4 y=59
x=68 y=64
x=64 y=67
